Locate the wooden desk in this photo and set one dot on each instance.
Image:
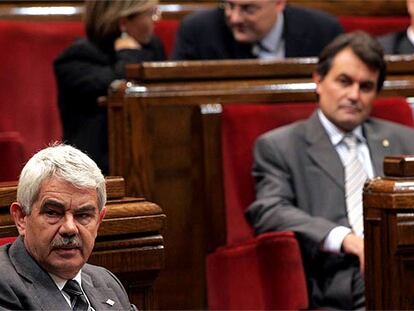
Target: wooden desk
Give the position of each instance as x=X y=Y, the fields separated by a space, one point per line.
x=73 y=10
x=165 y=140
x=129 y=241
x=389 y=236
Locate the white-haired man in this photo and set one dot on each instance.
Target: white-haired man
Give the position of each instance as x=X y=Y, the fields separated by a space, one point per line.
x=60 y=204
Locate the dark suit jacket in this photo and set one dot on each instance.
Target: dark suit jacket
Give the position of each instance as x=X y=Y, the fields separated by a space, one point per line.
x=300 y=187
x=396 y=43
x=84 y=72
x=24 y=285
x=205 y=35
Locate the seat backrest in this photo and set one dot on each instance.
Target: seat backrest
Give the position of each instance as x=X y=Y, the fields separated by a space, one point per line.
x=375 y=25
x=11 y=155
x=242 y=123
x=166 y=30
x=27 y=84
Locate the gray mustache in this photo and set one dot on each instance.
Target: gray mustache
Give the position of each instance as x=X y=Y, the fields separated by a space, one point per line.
x=67 y=242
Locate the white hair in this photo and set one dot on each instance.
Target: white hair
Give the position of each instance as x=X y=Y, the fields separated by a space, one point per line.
x=63 y=161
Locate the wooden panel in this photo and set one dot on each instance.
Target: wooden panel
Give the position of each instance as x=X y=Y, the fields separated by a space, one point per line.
x=257 y=69
x=389 y=242
x=177 y=9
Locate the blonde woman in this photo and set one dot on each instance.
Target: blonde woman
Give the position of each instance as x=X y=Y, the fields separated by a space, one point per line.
x=118 y=32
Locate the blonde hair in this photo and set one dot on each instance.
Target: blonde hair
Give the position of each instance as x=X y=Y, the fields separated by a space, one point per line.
x=102 y=17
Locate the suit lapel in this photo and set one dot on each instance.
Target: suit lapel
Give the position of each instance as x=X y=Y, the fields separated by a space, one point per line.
x=100 y=296
x=295 y=37
x=41 y=288
x=379 y=144
x=321 y=151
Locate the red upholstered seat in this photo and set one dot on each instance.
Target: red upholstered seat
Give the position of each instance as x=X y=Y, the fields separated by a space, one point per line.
x=11 y=155
x=28 y=93
x=166 y=30
x=27 y=84
x=6 y=240
x=263 y=272
x=375 y=25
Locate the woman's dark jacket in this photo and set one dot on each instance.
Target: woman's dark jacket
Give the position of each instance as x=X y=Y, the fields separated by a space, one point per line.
x=83 y=73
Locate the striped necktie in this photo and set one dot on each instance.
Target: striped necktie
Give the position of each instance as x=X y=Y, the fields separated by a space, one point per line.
x=355 y=177
x=78 y=300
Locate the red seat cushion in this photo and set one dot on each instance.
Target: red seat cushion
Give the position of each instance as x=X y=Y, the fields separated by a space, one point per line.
x=264 y=273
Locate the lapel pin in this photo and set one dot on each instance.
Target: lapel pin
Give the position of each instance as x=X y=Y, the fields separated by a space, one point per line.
x=386 y=143
x=110 y=302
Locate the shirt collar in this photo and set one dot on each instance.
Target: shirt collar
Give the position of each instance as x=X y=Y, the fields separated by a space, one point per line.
x=335 y=134
x=60 y=283
x=273 y=39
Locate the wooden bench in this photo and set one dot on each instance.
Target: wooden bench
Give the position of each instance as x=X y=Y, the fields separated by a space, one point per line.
x=165 y=140
x=389 y=236
x=129 y=241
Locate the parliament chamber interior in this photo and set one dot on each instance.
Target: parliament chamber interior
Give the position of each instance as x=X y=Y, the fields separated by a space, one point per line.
x=180 y=137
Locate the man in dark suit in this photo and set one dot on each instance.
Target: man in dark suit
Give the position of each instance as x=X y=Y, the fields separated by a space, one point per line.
x=309 y=174
x=242 y=29
x=400 y=42
x=61 y=200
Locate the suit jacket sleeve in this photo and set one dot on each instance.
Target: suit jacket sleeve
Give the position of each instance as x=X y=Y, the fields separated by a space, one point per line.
x=276 y=205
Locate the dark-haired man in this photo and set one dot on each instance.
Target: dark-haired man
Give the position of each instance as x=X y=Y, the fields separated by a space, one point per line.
x=309 y=175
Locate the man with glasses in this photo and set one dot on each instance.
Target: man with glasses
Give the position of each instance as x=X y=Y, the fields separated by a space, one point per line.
x=241 y=29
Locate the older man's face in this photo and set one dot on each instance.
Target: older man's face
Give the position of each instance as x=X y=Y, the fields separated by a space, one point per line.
x=251 y=20
x=60 y=232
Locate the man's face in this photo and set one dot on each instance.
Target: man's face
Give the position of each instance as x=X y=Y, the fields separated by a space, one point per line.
x=60 y=232
x=348 y=90
x=251 y=20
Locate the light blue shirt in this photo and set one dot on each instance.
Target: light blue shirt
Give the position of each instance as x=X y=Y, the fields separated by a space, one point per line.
x=335 y=237
x=272 y=46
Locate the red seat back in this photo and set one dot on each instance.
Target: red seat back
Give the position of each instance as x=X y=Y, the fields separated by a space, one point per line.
x=166 y=30
x=6 y=240
x=11 y=155
x=375 y=25
x=242 y=123
x=28 y=90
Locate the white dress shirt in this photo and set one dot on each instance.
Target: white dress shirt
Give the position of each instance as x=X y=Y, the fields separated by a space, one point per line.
x=60 y=283
x=333 y=241
x=272 y=46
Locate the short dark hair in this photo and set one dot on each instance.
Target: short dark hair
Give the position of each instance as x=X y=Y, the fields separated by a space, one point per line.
x=363 y=45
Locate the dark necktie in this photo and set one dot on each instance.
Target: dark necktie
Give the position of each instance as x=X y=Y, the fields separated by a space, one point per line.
x=78 y=300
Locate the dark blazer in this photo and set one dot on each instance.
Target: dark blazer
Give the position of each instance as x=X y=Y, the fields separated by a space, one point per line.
x=24 y=285
x=300 y=187
x=83 y=73
x=396 y=43
x=205 y=35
